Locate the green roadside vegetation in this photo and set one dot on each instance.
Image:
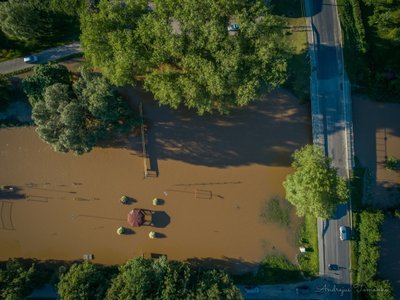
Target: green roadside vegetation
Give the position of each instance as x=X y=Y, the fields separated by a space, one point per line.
x=315 y=189
x=364 y=246
x=275 y=268
x=138 y=278
x=371 y=35
x=28 y=26
x=367 y=235
x=308 y=238
x=298 y=81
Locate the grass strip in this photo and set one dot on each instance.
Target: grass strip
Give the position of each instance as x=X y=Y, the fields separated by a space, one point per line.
x=308 y=261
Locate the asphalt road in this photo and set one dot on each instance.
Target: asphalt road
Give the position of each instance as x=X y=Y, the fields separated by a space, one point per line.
x=328 y=86
x=320 y=289
x=43 y=57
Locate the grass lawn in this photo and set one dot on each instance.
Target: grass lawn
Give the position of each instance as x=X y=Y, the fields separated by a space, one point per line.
x=298 y=66
x=308 y=261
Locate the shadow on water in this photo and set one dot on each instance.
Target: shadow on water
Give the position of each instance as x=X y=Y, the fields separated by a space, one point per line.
x=231 y=265
x=13 y=193
x=160 y=235
x=266 y=132
x=160 y=219
x=128 y=231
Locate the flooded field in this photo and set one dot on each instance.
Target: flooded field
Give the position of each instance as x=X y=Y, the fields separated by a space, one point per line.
x=214 y=175
x=376 y=137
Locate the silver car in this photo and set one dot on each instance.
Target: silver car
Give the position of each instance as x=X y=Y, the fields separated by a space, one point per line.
x=30 y=59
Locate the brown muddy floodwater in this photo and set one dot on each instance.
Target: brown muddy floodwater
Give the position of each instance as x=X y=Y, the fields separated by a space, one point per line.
x=215 y=173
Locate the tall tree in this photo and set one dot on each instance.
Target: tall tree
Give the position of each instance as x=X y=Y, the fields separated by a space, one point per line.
x=315 y=188
x=39 y=21
x=16 y=280
x=83 y=281
x=44 y=76
x=74 y=117
x=5 y=91
x=162 y=279
x=184 y=51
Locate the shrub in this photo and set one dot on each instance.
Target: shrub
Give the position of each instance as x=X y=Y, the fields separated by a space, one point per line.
x=276 y=210
x=392 y=163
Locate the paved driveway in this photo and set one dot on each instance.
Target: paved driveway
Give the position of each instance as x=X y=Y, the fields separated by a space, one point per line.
x=43 y=57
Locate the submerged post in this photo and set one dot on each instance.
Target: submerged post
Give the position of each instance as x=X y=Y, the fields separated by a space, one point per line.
x=143 y=139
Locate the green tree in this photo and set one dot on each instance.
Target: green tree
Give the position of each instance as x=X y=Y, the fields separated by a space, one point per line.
x=39 y=22
x=5 y=91
x=44 y=76
x=16 y=280
x=83 y=281
x=184 y=52
x=214 y=285
x=137 y=279
x=162 y=279
x=74 y=117
x=314 y=188
x=27 y=20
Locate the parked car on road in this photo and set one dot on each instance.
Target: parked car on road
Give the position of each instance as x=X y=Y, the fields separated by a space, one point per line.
x=343 y=233
x=30 y=59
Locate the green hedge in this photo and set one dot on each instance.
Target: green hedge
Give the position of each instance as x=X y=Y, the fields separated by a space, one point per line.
x=368 y=248
x=354 y=41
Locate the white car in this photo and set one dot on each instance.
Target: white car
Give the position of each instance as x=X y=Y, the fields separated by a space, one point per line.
x=30 y=59
x=343 y=233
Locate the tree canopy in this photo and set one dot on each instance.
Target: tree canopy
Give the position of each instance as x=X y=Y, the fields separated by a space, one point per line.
x=74 y=116
x=162 y=279
x=5 y=91
x=315 y=188
x=184 y=52
x=43 y=77
x=16 y=280
x=33 y=21
x=83 y=281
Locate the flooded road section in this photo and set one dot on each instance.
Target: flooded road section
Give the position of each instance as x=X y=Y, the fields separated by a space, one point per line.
x=214 y=175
